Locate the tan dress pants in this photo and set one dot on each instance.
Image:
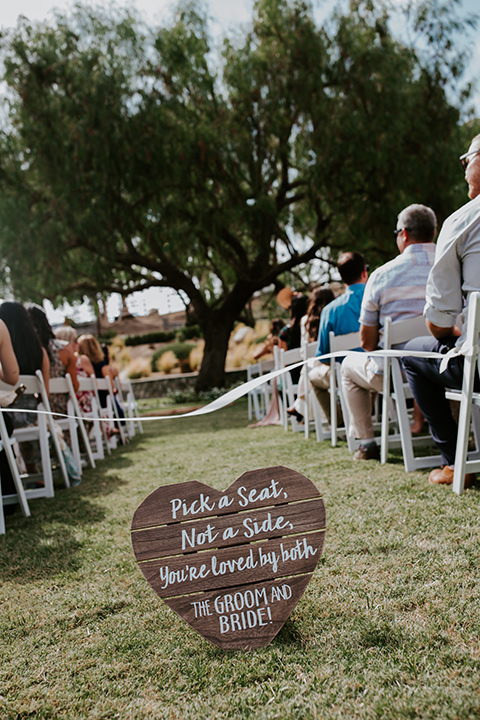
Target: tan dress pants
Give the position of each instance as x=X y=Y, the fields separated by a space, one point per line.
x=319 y=377
x=359 y=381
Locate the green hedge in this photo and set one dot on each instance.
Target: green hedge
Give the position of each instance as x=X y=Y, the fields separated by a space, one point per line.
x=185 y=333
x=150 y=338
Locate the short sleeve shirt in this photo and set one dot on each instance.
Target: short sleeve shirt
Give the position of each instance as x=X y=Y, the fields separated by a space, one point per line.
x=397 y=290
x=340 y=316
x=456 y=272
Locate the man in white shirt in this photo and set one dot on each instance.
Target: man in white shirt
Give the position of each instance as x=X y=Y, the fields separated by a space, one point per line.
x=396 y=290
x=455 y=274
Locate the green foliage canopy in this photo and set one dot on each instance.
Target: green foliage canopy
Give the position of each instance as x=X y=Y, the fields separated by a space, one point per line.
x=132 y=157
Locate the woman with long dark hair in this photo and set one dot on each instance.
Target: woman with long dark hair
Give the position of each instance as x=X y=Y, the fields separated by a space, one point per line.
x=62 y=360
x=26 y=344
x=290 y=336
x=9 y=372
x=60 y=355
x=30 y=358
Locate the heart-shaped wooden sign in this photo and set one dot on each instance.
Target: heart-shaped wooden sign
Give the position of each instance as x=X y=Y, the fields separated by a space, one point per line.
x=232 y=564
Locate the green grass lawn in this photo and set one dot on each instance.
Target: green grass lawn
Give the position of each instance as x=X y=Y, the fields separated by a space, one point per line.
x=389 y=626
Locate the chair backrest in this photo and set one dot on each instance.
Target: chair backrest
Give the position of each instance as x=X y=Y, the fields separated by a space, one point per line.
x=106 y=384
x=289 y=357
x=253 y=370
x=64 y=386
x=395 y=333
x=350 y=341
x=89 y=384
x=266 y=366
x=309 y=349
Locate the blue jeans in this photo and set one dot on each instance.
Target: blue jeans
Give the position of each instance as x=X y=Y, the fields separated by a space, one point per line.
x=428 y=388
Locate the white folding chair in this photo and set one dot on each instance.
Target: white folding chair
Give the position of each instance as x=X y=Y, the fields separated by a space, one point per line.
x=312 y=406
x=41 y=430
x=464 y=462
x=111 y=409
x=340 y=343
x=74 y=422
x=6 y=444
x=129 y=403
x=256 y=397
x=289 y=388
x=396 y=417
x=253 y=371
x=44 y=406
x=98 y=434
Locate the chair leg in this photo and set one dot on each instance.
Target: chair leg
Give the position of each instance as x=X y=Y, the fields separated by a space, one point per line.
x=462 y=444
x=73 y=430
x=12 y=463
x=45 y=456
x=385 y=412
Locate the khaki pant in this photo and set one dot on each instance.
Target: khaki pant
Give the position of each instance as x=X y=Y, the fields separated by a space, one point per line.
x=359 y=381
x=319 y=377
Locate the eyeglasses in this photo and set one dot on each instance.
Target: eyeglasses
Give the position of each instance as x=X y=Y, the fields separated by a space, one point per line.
x=464 y=158
x=397 y=232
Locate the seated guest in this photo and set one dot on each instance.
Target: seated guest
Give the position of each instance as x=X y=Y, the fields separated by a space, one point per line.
x=454 y=276
x=341 y=317
x=84 y=365
x=62 y=360
x=319 y=298
x=30 y=357
x=9 y=373
x=61 y=356
x=290 y=336
x=396 y=289
x=89 y=346
x=272 y=339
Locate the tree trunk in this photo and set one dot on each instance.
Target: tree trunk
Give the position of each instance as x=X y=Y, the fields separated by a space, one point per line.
x=216 y=334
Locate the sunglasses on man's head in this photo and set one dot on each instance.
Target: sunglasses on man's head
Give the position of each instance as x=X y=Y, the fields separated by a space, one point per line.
x=464 y=158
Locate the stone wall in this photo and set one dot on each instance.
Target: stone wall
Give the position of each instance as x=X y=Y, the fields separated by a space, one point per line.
x=160 y=386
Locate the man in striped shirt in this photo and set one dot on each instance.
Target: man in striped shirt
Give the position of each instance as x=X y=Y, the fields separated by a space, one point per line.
x=396 y=289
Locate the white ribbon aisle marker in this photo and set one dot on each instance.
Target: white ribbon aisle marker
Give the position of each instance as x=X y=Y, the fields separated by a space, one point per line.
x=238 y=392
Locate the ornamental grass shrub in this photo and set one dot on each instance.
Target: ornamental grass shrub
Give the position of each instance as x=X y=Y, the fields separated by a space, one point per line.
x=139 y=368
x=180 y=350
x=167 y=362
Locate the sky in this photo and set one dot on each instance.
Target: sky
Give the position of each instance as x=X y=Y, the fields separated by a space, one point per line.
x=226 y=15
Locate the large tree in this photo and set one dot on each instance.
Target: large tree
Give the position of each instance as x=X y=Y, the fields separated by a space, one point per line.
x=135 y=157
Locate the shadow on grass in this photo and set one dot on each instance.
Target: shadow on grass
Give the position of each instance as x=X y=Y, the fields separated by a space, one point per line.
x=289 y=635
x=217 y=420
x=45 y=544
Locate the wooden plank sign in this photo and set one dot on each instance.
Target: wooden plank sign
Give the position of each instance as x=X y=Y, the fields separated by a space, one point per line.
x=232 y=564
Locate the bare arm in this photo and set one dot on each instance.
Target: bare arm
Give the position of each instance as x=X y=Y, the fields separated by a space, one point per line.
x=9 y=371
x=107 y=372
x=441 y=332
x=369 y=337
x=87 y=365
x=70 y=362
x=264 y=349
x=46 y=370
